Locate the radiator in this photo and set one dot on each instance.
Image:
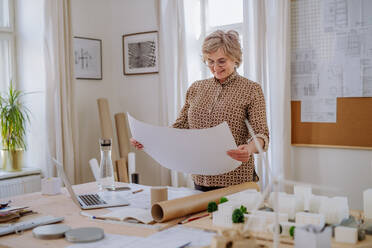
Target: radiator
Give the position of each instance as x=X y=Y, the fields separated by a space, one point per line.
x=20 y=185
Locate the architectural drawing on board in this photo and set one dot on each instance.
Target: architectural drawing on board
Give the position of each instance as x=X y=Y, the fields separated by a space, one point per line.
x=331 y=54
x=367 y=81
x=348 y=44
x=304 y=86
x=335 y=15
x=330 y=80
x=303 y=61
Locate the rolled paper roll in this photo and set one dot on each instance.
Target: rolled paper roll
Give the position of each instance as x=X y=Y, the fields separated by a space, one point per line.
x=167 y=210
x=158 y=194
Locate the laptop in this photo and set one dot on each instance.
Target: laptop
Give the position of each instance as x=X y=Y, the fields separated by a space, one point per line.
x=102 y=199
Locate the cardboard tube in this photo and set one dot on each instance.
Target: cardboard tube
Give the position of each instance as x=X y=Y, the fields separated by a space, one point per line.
x=167 y=210
x=121 y=165
x=122 y=133
x=158 y=194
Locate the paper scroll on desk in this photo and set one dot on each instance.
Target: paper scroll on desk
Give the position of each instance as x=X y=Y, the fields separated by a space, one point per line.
x=167 y=210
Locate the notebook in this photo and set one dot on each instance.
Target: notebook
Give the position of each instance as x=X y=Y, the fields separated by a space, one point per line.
x=129 y=214
x=102 y=199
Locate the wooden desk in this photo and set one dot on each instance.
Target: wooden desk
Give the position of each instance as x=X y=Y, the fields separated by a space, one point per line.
x=62 y=205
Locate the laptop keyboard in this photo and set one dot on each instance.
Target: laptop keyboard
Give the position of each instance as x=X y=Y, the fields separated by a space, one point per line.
x=92 y=199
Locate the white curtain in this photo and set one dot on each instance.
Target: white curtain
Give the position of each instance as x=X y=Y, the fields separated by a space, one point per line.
x=60 y=116
x=173 y=67
x=267 y=61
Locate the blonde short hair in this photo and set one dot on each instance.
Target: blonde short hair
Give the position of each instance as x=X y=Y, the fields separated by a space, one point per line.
x=228 y=41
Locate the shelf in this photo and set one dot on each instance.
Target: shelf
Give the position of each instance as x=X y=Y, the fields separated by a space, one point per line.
x=26 y=171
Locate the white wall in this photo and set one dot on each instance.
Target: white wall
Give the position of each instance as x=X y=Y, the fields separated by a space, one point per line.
x=138 y=94
x=348 y=170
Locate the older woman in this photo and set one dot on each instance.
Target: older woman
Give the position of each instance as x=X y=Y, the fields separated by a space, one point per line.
x=225 y=97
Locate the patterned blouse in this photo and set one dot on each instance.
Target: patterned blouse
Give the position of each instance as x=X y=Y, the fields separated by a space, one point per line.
x=209 y=103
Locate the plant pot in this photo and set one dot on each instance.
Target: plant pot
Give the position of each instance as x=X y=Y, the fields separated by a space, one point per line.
x=12 y=160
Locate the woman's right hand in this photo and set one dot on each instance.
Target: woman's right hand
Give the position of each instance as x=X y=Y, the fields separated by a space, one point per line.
x=136 y=144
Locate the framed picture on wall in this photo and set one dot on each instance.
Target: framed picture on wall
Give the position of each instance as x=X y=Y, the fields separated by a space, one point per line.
x=87 y=58
x=140 y=53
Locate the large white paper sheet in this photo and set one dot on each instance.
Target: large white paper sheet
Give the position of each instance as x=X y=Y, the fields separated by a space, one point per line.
x=194 y=151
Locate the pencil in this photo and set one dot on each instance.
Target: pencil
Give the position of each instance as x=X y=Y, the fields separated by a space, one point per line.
x=137 y=191
x=194 y=218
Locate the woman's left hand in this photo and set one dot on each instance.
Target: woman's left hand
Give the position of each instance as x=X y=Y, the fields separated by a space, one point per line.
x=241 y=154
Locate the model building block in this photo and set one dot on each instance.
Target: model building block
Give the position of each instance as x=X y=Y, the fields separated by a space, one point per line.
x=255 y=223
x=334 y=209
x=345 y=234
x=312 y=238
x=303 y=218
x=367 y=203
x=315 y=201
x=303 y=195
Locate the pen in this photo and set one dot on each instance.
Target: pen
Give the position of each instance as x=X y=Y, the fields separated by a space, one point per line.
x=99 y=218
x=137 y=191
x=194 y=218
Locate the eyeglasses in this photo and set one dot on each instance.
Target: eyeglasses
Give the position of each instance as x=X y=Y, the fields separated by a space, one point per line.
x=219 y=63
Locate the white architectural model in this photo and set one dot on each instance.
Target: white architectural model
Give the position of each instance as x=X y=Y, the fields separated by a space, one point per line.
x=345 y=234
x=321 y=209
x=367 y=203
x=334 y=209
x=303 y=218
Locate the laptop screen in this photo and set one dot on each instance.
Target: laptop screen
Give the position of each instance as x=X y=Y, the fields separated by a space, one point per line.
x=62 y=175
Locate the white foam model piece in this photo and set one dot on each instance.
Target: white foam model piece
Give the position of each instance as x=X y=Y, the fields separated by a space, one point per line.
x=344 y=234
x=257 y=223
x=221 y=219
x=286 y=226
x=367 y=203
x=51 y=186
x=286 y=202
x=247 y=198
x=310 y=239
x=303 y=194
x=270 y=216
x=223 y=216
x=93 y=163
x=315 y=201
x=334 y=209
x=303 y=218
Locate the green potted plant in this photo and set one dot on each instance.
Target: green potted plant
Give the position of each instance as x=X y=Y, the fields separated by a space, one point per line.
x=13 y=119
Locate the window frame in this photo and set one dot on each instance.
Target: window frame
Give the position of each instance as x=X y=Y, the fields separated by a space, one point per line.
x=9 y=34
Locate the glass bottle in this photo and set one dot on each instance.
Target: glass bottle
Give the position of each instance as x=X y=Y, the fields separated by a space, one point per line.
x=106 y=170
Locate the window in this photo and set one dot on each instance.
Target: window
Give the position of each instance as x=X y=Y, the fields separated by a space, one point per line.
x=201 y=18
x=224 y=15
x=7 y=34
